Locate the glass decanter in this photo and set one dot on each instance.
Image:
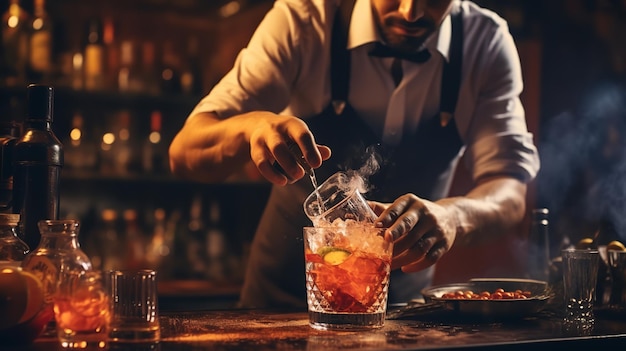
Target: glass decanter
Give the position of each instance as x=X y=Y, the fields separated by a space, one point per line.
x=58 y=250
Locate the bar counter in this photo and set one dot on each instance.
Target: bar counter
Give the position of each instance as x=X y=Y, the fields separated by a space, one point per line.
x=289 y=330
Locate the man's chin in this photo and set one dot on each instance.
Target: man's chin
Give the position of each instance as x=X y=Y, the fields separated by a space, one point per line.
x=406 y=42
x=406 y=45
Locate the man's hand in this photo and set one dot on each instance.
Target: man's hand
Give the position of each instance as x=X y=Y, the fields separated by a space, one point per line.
x=422 y=231
x=283 y=140
x=211 y=149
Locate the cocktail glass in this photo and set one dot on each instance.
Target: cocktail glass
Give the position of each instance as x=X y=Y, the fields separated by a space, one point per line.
x=81 y=309
x=347 y=276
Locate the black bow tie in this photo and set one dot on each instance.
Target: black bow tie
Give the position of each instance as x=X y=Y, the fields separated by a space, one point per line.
x=378 y=49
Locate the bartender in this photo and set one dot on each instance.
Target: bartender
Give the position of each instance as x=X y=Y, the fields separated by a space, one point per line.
x=411 y=84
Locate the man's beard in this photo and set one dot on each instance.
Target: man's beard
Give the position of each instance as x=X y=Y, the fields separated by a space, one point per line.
x=406 y=43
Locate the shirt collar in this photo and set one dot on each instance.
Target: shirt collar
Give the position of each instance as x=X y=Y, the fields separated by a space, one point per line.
x=363 y=30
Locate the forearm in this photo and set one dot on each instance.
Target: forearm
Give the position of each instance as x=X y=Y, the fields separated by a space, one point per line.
x=208 y=149
x=490 y=209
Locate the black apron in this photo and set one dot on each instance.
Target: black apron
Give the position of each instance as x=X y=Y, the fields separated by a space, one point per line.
x=423 y=163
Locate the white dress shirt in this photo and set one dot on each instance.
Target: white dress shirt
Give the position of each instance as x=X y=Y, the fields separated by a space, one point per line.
x=285 y=69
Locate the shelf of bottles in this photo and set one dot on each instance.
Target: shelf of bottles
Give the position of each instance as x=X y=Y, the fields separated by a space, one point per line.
x=123 y=87
x=118 y=92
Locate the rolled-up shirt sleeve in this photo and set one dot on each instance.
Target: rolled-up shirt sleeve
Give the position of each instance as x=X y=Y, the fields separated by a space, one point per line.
x=263 y=71
x=498 y=140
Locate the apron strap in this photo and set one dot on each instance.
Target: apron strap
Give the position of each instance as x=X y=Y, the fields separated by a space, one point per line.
x=340 y=56
x=451 y=77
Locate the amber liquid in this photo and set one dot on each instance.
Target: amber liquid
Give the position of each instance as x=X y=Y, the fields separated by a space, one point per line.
x=350 y=295
x=82 y=321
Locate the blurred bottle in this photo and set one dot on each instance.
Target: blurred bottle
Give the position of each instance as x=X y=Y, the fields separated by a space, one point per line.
x=217 y=254
x=40 y=64
x=170 y=70
x=12 y=248
x=111 y=249
x=111 y=53
x=135 y=240
x=191 y=75
x=107 y=137
x=94 y=56
x=129 y=76
x=117 y=152
x=14 y=43
x=9 y=133
x=154 y=149
x=195 y=232
x=38 y=163
x=149 y=71
x=124 y=148
x=159 y=246
x=80 y=151
x=538 y=245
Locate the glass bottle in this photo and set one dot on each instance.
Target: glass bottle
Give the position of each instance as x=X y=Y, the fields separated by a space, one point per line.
x=111 y=52
x=58 y=249
x=191 y=74
x=170 y=70
x=538 y=244
x=148 y=69
x=128 y=76
x=154 y=158
x=40 y=48
x=12 y=249
x=93 y=63
x=216 y=251
x=14 y=43
x=110 y=246
x=38 y=160
x=123 y=150
x=80 y=152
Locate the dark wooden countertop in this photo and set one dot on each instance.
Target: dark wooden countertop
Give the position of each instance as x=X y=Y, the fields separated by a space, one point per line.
x=271 y=330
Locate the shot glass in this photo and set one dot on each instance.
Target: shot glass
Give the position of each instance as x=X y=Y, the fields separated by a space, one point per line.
x=580 y=276
x=347 y=277
x=134 y=306
x=338 y=198
x=617 y=269
x=81 y=309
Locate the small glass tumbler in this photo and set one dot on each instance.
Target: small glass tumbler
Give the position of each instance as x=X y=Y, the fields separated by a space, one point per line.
x=339 y=198
x=135 y=310
x=580 y=275
x=347 y=276
x=81 y=309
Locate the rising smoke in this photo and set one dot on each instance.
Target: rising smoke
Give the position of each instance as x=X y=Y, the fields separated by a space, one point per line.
x=583 y=174
x=371 y=165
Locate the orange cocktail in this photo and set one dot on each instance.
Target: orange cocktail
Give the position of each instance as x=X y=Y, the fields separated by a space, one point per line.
x=347 y=276
x=82 y=310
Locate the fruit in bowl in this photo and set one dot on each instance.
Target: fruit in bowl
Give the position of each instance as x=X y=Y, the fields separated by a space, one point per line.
x=22 y=305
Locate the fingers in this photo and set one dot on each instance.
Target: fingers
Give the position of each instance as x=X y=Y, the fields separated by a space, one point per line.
x=428 y=260
x=400 y=217
x=426 y=251
x=325 y=153
x=265 y=163
x=418 y=228
x=283 y=148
